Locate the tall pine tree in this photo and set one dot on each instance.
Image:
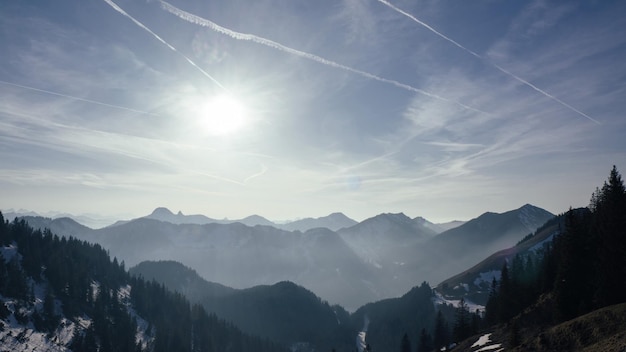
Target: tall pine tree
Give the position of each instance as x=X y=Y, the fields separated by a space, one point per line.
x=610 y=227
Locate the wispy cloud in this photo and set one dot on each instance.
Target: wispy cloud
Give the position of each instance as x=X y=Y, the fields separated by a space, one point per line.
x=124 y=153
x=454 y=147
x=255 y=175
x=120 y=10
x=499 y=68
x=585 y=64
x=90 y=101
x=189 y=17
x=361 y=23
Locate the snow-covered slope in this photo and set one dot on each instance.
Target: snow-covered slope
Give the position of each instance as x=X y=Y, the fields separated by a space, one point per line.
x=19 y=322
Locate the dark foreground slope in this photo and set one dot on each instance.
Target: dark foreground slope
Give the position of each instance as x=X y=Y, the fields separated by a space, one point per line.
x=602 y=330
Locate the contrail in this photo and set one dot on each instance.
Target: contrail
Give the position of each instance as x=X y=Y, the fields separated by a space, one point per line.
x=189 y=17
x=78 y=98
x=517 y=78
x=260 y=173
x=120 y=10
x=390 y=5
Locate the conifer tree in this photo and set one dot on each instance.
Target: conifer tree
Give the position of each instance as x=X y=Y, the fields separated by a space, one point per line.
x=440 y=337
x=505 y=301
x=610 y=228
x=571 y=290
x=462 y=327
x=426 y=342
x=405 y=345
x=491 y=309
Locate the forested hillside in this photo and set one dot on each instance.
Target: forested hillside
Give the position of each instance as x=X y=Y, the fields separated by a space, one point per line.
x=62 y=294
x=581 y=270
x=283 y=312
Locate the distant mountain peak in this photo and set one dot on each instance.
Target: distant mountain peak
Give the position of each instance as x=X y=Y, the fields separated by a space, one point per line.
x=532 y=217
x=529 y=208
x=396 y=216
x=389 y=218
x=254 y=217
x=162 y=211
x=436 y=228
x=334 y=222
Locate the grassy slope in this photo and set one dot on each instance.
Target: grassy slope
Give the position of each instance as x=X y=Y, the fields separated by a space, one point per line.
x=601 y=330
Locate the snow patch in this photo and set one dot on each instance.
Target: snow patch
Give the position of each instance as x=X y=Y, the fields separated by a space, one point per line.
x=360 y=341
x=65 y=332
x=9 y=252
x=23 y=338
x=142 y=336
x=84 y=322
x=16 y=336
x=19 y=339
x=487 y=277
x=483 y=340
x=95 y=290
x=439 y=299
x=539 y=245
x=491 y=347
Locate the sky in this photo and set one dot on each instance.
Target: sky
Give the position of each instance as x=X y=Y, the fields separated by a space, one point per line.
x=288 y=109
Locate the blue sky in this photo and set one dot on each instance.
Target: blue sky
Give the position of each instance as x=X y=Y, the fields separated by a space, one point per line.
x=441 y=109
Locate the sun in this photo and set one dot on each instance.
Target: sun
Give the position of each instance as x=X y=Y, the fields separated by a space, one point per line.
x=222 y=115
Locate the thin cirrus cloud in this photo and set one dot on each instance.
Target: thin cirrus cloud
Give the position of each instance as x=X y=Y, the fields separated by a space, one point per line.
x=138 y=23
x=189 y=17
x=498 y=67
x=73 y=97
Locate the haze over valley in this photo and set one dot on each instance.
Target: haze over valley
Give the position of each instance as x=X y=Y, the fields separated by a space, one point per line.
x=378 y=258
x=308 y=289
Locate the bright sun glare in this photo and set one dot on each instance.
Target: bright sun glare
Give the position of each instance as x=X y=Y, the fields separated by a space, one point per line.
x=222 y=115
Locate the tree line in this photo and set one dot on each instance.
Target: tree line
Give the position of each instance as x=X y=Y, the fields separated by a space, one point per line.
x=83 y=278
x=582 y=269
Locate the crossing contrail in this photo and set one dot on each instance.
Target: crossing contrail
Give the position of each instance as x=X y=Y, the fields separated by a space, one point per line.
x=77 y=98
x=508 y=73
x=120 y=10
x=189 y=17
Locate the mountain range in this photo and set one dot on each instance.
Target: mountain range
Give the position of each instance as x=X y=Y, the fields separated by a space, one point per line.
x=558 y=287
x=380 y=257
x=334 y=221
